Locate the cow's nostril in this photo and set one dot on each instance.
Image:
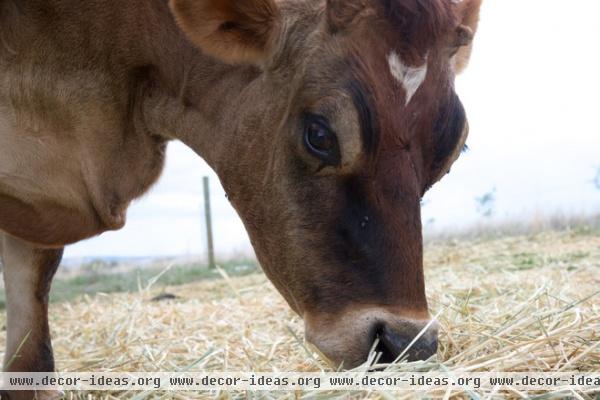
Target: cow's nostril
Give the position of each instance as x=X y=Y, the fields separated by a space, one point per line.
x=388 y=350
x=392 y=344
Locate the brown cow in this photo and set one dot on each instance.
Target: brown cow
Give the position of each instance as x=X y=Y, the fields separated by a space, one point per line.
x=326 y=121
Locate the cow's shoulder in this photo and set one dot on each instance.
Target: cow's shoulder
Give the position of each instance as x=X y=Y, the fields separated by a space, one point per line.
x=73 y=151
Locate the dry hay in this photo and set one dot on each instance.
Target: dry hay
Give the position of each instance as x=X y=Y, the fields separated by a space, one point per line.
x=512 y=304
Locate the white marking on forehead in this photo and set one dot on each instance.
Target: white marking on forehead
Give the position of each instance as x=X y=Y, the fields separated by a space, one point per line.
x=411 y=78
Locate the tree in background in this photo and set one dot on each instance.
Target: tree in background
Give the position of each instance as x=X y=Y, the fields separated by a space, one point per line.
x=486 y=203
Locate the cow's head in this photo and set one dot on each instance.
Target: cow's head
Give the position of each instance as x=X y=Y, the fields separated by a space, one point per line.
x=349 y=117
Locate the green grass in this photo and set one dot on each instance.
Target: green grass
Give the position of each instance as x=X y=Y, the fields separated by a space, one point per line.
x=98 y=278
x=525 y=261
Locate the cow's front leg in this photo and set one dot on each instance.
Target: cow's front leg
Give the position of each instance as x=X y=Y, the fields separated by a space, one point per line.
x=28 y=273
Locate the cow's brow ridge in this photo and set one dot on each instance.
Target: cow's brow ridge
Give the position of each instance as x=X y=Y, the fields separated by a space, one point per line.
x=366 y=115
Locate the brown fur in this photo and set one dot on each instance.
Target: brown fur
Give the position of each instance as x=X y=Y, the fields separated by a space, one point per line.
x=234 y=31
x=341 y=13
x=122 y=79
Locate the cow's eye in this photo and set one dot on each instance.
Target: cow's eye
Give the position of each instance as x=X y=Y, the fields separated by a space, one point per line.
x=321 y=141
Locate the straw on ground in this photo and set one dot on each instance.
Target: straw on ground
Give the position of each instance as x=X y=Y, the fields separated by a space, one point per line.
x=525 y=303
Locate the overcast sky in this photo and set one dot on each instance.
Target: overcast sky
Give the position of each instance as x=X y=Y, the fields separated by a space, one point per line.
x=532 y=95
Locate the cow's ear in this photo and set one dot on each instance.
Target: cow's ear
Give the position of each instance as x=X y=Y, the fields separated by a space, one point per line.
x=234 y=31
x=468 y=16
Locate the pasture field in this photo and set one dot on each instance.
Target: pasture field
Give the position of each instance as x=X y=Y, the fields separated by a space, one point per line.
x=516 y=303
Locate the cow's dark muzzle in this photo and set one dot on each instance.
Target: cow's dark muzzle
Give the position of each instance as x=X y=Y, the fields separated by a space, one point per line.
x=347 y=339
x=412 y=345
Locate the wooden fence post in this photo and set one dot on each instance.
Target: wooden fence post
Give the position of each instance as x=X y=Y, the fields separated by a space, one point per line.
x=208 y=219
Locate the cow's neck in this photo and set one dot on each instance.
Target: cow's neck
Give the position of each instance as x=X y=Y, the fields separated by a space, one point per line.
x=200 y=108
x=220 y=110
x=193 y=97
